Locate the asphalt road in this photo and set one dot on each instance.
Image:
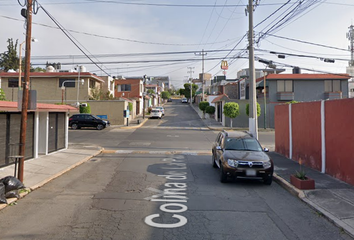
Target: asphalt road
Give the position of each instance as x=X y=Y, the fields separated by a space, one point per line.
x=123 y=195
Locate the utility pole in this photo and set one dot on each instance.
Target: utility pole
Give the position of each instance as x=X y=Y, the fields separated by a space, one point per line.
x=190 y=71
x=25 y=88
x=202 y=54
x=350 y=36
x=253 y=126
x=144 y=80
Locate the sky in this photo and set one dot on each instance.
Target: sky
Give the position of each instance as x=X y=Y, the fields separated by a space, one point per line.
x=167 y=37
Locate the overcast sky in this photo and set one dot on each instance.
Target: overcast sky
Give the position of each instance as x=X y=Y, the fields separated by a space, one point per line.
x=126 y=29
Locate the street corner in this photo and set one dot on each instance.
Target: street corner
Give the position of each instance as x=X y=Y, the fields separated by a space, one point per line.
x=134 y=125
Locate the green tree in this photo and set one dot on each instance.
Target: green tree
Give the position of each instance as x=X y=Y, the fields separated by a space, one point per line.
x=231 y=110
x=86 y=109
x=130 y=106
x=258 y=109
x=180 y=91
x=202 y=106
x=2 y=95
x=210 y=110
x=187 y=90
x=150 y=91
x=165 y=95
x=9 y=59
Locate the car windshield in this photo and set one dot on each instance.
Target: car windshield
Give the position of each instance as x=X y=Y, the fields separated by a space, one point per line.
x=242 y=144
x=155 y=110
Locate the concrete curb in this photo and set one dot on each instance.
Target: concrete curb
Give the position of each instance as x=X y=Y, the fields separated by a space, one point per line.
x=28 y=190
x=197 y=153
x=302 y=195
x=136 y=126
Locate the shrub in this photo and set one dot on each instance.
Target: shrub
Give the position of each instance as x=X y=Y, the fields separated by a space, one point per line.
x=258 y=109
x=86 y=109
x=210 y=109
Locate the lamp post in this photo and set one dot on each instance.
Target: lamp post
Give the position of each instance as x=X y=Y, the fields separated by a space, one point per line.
x=190 y=86
x=63 y=88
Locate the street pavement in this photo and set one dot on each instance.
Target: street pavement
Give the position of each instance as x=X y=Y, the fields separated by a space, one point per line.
x=331 y=197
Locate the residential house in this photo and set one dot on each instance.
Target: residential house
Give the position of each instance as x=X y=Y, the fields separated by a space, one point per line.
x=108 y=86
x=131 y=88
x=282 y=88
x=54 y=87
x=46 y=130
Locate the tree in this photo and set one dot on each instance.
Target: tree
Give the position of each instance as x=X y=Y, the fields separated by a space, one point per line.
x=187 y=90
x=9 y=59
x=258 y=109
x=2 y=95
x=231 y=110
x=202 y=106
x=165 y=95
x=96 y=94
x=150 y=91
x=180 y=91
x=210 y=110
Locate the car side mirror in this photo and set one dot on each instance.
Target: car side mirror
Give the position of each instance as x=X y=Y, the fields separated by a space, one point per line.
x=265 y=149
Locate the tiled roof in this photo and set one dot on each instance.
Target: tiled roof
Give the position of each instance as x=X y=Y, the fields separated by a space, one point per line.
x=53 y=74
x=218 y=99
x=41 y=107
x=305 y=76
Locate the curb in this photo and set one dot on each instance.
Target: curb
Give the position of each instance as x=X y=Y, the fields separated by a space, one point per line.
x=136 y=126
x=324 y=213
x=28 y=190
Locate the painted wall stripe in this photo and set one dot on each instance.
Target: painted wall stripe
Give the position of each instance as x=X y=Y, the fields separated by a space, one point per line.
x=323 y=137
x=290 y=135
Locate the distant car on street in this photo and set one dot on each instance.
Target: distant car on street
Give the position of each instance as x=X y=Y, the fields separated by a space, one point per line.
x=156 y=113
x=239 y=155
x=184 y=100
x=169 y=100
x=78 y=121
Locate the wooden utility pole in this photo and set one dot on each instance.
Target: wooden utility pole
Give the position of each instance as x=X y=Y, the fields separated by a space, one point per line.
x=25 y=88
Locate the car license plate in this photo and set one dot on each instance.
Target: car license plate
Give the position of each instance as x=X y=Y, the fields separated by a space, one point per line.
x=250 y=172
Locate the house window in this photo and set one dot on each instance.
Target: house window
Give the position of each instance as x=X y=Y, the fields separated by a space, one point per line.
x=285 y=86
x=124 y=88
x=332 y=85
x=92 y=83
x=13 y=83
x=68 y=83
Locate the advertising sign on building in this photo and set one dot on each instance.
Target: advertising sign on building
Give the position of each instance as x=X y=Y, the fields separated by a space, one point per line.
x=224 y=65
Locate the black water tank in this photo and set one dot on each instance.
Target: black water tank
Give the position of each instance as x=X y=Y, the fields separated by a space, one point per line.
x=296 y=70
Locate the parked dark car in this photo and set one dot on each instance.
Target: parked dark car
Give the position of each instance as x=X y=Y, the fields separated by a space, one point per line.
x=169 y=100
x=239 y=155
x=78 y=121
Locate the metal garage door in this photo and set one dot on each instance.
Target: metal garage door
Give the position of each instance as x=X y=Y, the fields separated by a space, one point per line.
x=56 y=138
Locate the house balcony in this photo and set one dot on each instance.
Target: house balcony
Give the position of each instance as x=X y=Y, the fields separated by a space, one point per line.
x=333 y=95
x=285 y=96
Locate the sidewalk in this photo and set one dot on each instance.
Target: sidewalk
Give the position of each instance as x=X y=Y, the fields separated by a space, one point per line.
x=41 y=170
x=331 y=197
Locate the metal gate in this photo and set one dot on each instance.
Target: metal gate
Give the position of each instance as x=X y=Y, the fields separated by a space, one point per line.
x=56 y=131
x=10 y=135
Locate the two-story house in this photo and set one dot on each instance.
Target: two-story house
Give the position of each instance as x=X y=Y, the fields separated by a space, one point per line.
x=282 y=88
x=54 y=87
x=131 y=88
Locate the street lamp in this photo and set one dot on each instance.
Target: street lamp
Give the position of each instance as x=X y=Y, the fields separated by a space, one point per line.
x=144 y=81
x=20 y=62
x=190 y=86
x=63 y=89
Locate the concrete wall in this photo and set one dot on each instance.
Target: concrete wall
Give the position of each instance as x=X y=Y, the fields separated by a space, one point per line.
x=112 y=108
x=318 y=133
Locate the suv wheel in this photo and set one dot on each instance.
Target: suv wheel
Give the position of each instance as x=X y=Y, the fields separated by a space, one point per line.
x=214 y=163
x=223 y=177
x=74 y=126
x=268 y=180
x=99 y=127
